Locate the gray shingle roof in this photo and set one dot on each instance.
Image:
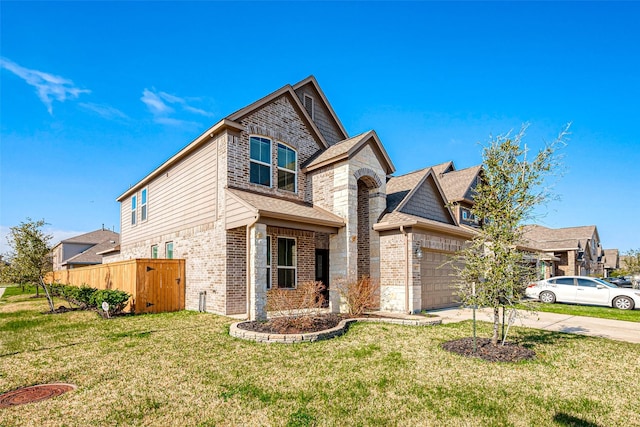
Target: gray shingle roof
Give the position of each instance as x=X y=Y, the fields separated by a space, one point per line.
x=456 y=184
x=94 y=237
x=287 y=209
x=558 y=238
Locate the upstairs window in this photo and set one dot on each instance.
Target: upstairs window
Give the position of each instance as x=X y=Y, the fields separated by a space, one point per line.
x=287 y=168
x=260 y=163
x=134 y=205
x=143 y=205
x=286 y=263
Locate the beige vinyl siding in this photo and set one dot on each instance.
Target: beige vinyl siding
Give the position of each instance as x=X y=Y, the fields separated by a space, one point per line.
x=184 y=196
x=237 y=214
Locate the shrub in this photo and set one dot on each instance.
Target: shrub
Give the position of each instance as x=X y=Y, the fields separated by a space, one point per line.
x=296 y=308
x=116 y=299
x=359 y=295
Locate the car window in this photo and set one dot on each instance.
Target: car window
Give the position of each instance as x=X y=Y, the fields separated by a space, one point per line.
x=587 y=283
x=563 y=281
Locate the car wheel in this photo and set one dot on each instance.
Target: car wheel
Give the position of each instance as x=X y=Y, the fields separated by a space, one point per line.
x=623 y=303
x=548 y=297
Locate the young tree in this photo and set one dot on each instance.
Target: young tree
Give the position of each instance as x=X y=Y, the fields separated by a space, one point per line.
x=494 y=270
x=30 y=258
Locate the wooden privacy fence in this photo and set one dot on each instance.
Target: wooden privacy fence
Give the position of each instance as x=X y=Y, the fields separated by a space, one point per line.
x=155 y=285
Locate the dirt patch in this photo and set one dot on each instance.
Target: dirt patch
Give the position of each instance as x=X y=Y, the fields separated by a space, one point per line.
x=509 y=352
x=34 y=393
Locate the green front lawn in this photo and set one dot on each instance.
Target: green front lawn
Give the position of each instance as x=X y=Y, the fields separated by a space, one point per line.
x=587 y=310
x=184 y=369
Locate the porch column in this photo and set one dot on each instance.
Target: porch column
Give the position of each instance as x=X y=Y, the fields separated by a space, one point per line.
x=257 y=272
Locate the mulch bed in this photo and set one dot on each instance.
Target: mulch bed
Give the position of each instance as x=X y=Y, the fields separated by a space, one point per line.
x=509 y=352
x=294 y=325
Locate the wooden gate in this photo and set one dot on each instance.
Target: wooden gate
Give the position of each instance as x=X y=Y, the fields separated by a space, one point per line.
x=160 y=288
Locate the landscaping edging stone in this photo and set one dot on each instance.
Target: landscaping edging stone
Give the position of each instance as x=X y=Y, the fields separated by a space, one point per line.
x=342 y=327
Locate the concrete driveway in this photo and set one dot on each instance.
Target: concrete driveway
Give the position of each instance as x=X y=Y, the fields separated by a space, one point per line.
x=592 y=326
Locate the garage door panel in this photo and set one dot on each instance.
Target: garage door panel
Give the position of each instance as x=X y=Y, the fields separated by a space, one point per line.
x=438 y=281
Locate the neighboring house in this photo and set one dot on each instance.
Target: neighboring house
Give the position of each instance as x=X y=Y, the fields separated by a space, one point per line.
x=278 y=194
x=611 y=261
x=571 y=250
x=85 y=249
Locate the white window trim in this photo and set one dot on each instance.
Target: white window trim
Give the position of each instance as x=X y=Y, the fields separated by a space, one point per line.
x=286 y=267
x=294 y=172
x=313 y=105
x=258 y=162
x=145 y=217
x=156 y=248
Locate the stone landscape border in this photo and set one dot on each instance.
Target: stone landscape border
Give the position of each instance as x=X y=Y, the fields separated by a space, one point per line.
x=336 y=331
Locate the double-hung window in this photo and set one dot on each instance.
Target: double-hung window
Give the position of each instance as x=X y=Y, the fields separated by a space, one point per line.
x=286 y=262
x=260 y=161
x=143 y=205
x=134 y=205
x=287 y=168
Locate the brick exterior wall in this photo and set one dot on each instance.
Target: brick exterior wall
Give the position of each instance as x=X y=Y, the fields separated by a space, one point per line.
x=236 y=274
x=280 y=122
x=305 y=261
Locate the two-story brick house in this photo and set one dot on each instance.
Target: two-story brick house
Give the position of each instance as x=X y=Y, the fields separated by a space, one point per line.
x=278 y=194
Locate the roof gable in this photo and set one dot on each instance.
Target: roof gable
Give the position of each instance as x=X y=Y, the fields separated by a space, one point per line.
x=285 y=91
x=346 y=149
x=419 y=194
x=93 y=237
x=324 y=116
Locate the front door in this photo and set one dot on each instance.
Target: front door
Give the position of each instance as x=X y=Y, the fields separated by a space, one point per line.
x=322 y=272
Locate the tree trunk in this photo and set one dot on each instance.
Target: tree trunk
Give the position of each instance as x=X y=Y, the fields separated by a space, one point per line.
x=496 y=325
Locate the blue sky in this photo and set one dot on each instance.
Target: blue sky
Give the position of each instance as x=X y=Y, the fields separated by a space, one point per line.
x=95 y=95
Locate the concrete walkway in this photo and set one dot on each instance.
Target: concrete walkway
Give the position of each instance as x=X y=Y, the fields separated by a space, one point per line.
x=2 y=291
x=591 y=326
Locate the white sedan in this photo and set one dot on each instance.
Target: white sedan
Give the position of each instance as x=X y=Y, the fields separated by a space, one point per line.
x=583 y=290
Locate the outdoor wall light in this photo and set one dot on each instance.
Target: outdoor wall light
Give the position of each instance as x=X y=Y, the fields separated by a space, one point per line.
x=419 y=251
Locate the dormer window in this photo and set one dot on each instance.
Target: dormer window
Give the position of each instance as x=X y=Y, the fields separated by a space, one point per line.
x=260 y=163
x=287 y=168
x=308 y=105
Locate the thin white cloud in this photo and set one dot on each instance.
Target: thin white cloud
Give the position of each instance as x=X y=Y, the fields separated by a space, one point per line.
x=154 y=103
x=104 y=111
x=161 y=105
x=48 y=87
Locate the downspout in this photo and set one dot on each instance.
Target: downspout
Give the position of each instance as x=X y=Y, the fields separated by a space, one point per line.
x=248 y=261
x=406 y=269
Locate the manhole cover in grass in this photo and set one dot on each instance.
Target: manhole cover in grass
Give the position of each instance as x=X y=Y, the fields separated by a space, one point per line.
x=34 y=393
